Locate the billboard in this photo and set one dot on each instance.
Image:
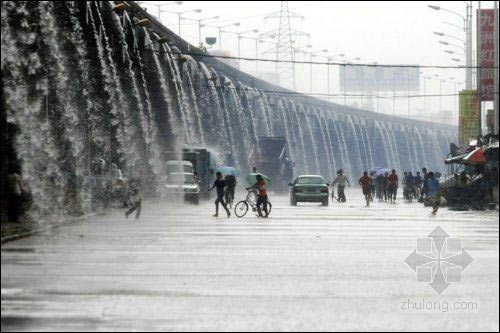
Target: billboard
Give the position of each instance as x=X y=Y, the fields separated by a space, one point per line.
x=376 y=78
x=468 y=116
x=486 y=52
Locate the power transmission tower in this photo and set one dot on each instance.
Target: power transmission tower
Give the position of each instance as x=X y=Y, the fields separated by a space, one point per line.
x=284 y=49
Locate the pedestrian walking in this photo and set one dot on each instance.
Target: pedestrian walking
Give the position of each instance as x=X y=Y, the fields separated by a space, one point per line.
x=433 y=195
x=392 y=184
x=221 y=186
x=14 y=196
x=379 y=187
x=418 y=185
x=230 y=188
x=341 y=181
x=366 y=182
x=423 y=192
x=135 y=199
x=373 y=176
x=385 y=186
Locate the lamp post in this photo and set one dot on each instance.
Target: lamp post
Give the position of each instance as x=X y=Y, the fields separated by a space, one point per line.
x=328 y=59
x=240 y=37
x=299 y=50
x=453 y=52
x=219 y=28
x=346 y=61
x=179 y=16
x=201 y=25
x=451 y=44
x=425 y=93
x=258 y=41
x=467 y=28
x=311 y=55
x=158 y=6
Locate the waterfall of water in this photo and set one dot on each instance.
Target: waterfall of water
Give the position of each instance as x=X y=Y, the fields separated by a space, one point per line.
x=188 y=69
x=360 y=165
x=346 y=165
x=329 y=147
x=313 y=166
x=264 y=106
x=81 y=81
x=326 y=146
x=248 y=113
x=300 y=151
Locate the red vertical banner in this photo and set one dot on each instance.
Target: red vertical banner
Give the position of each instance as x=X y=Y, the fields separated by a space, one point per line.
x=486 y=55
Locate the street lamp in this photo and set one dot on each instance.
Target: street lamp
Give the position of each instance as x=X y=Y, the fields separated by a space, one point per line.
x=258 y=41
x=201 y=25
x=311 y=55
x=328 y=59
x=219 y=28
x=441 y=34
x=238 y=34
x=158 y=6
x=179 y=15
x=451 y=44
x=453 y=52
x=346 y=61
x=467 y=28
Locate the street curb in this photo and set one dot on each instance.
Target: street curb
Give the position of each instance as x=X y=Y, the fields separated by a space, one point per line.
x=38 y=231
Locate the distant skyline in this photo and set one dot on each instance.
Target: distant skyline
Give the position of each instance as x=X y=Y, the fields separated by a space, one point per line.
x=385 y=32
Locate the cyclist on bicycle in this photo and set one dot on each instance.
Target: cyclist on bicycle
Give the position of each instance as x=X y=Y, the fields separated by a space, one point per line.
x=260 y=185
x=230 y=187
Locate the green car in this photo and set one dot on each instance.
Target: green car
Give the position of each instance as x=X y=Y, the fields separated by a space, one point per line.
x=309 y=188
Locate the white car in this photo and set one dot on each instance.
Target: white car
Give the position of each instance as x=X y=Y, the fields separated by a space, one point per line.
x=179 y=166
x=183 y=184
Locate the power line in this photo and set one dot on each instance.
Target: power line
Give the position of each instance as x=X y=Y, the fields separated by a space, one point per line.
x=322 y=63
x=294 y=93
x=262 y=15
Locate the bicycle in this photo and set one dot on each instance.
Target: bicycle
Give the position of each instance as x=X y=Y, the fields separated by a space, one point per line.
x=241 y=207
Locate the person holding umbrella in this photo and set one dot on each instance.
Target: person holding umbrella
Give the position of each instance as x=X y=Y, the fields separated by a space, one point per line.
x=230 y=174
x=262 y=198
x=221 y=186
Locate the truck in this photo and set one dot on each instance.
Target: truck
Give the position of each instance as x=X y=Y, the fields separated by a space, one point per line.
x=204 y=164
x=270 y=156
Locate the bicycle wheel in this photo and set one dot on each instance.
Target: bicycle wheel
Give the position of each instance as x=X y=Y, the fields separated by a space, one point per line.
x=241 y=209
x=269 y=207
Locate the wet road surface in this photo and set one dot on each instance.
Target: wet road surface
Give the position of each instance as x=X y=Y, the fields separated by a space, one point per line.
x=305 y=268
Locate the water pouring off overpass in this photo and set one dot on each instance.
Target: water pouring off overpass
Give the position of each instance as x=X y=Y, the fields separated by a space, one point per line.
x=86 y=80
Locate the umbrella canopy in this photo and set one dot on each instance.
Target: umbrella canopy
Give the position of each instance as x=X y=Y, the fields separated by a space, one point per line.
x=475 y=157
x=379 y=171
x=455 y=159
x=382 y=171
x=252 y=178
x=228 y=170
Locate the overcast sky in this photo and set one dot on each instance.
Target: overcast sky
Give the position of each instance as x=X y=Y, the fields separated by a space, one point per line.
x=386 y=32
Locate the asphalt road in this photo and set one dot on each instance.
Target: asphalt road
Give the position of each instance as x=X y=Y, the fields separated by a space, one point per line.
x=305 y=268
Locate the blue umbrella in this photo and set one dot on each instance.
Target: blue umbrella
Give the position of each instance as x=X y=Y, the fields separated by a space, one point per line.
x=228 y=170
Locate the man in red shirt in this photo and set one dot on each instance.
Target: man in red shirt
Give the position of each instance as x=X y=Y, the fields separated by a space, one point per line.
x=392 y=186
x=262 y=196
x=365 y=182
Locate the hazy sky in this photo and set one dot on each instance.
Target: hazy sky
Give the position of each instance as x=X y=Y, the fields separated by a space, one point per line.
x=386 y=32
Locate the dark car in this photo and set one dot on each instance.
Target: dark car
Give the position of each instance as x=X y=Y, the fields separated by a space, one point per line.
x=309 y=188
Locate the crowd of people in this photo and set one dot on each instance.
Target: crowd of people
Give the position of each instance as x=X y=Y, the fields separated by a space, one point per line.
x=384 y=186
